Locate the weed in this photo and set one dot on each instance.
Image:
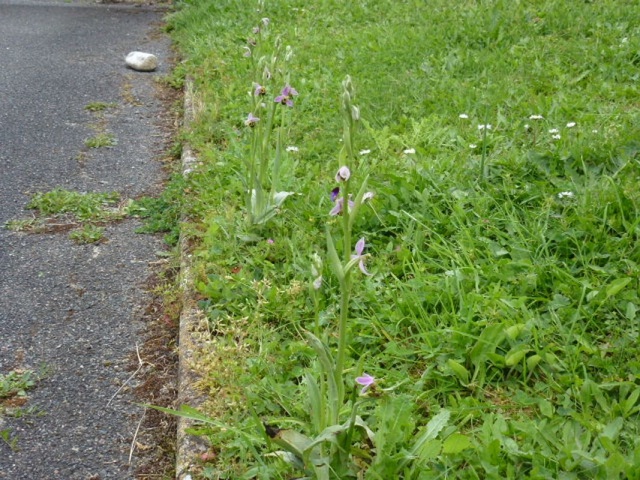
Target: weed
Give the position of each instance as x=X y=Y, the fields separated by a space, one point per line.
x=83 y=205
x=16 y=383
x=101 y=140
x=11 y=441
x=99 y=106
x=87 y=234
x=162 y=214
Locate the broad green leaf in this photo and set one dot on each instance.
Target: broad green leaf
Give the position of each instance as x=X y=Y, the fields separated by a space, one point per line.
x=428 y=451
x=612 y=429
x=292 y=441
x=487 y=343
x=315 y=402
x=515 y=355
x=459 y=371
x=617 y=285
x=546 y=407
x=334 y=259
x=630 y=311
x=630 y=402
x=533 y=361
x=456 y=443
x=328 y=365
x=435 y=425
x=514 y=331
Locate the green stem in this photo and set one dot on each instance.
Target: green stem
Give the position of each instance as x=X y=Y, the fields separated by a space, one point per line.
x=265 y=143
x=345 y=287
x=251 y=184
x=345 y=296
x=275 y=174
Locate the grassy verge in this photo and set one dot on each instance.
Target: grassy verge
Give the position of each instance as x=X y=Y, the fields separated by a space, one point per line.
x=500 y=321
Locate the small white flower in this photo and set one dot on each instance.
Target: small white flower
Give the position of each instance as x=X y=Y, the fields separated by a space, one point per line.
x=566 y=195
x=367 y=196
x=366 y=151
x=557 y=136
x=594 y=131
x=554 y=130
x=488 y=126
x=571 y=124
x=292 y=149
x=536 y=117
x=449 y=273
x=473 y=145
x=526 y=126
x=410 y=151
x=463 y=116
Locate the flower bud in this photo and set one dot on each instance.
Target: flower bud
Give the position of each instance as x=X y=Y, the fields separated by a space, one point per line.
x=343 y=174
x=355 y=113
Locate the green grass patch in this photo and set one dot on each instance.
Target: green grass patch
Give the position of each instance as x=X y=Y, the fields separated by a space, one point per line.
x=101 y=140
x=501 y=141
x=163 y=213
x=14 y=386
x=99 y=106
x=87 y=234
x=85 y=213
x=82 y=205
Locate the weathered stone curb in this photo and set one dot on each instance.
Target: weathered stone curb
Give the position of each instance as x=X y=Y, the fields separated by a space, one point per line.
x=187 y=446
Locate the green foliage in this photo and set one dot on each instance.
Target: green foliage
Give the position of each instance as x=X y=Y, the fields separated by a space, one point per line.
x=99 y=106
x=87 y=234
x=163 y=213
x=101 y=140
x=16 y=383
x=82 y=205
x=505 y=259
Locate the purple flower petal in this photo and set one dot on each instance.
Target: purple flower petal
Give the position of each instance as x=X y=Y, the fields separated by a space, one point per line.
x=363 y=268
x=359 y=248
x=337 y=208
x=260 y=90
x=289 y=91
x=334 y=193
x=251 y=120
x=285 y=96
x=343 y=174
x=366 y=381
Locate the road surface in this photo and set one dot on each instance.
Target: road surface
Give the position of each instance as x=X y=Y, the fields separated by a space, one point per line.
x=74 y=310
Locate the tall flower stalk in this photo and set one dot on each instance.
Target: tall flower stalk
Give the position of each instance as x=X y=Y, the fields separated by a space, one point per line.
x=263 y=197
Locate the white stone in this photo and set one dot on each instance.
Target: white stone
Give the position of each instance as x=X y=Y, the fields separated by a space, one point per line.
x=143 y=62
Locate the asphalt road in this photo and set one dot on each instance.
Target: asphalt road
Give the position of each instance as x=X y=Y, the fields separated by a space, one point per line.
x=72 y=309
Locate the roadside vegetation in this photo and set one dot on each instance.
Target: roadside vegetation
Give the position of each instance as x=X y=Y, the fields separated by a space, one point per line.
x=14 y=386
x=415 y=232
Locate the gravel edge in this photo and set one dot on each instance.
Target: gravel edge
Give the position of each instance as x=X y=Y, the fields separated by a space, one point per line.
x=188 y=447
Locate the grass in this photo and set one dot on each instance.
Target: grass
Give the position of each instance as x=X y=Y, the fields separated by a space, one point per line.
x=85 y=213
x=505 y=259
x=13 y=398
x=99 y=106
x=101 y=140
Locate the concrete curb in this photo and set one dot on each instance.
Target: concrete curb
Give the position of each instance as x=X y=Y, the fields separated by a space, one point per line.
x=187 y=446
